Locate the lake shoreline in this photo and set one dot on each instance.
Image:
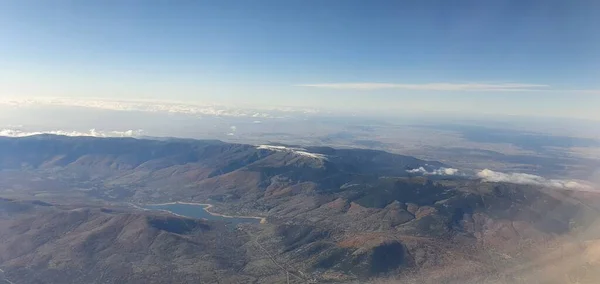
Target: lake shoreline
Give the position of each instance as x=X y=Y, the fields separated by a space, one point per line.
x=206 y=206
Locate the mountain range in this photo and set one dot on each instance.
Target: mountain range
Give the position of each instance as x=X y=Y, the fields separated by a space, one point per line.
x=70 y=213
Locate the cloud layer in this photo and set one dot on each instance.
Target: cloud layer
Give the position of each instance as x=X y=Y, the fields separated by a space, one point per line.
x=482 y=87
x=160 y=107
x=91 y=132
x=520 y=178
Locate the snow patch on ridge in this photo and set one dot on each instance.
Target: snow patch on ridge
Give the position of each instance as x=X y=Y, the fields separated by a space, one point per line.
x=297 y=151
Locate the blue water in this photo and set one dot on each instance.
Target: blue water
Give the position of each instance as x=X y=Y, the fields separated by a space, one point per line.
x=199 y=212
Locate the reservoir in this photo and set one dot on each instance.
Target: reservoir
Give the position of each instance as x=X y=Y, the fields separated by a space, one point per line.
x=200 y=211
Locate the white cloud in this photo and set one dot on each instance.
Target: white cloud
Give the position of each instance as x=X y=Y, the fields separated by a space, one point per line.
x=201 y=109
x=446 y=171
x=438 y=172
x=482 y=87
x=520 y=178
x=91 y=132
x=232 y=130
x=419 y=170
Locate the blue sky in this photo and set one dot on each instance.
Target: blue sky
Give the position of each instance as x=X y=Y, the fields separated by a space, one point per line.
x=513 y=57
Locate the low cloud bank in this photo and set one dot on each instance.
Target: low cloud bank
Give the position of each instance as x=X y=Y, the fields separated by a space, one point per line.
x=91 y=132
x=200 y=109
x=488 y=175
x=520 y=178
x=438 y=172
